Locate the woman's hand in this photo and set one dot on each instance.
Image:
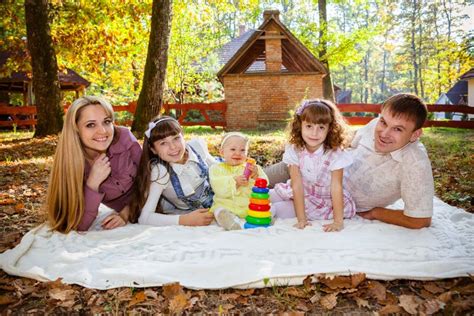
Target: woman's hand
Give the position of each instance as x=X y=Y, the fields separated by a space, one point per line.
x=113 y=221
x=302 y=224
x=199 y=217
x=333 y=227
x=100 y=170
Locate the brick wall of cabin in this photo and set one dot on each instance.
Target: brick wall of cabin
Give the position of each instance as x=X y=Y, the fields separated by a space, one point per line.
x=255 y=100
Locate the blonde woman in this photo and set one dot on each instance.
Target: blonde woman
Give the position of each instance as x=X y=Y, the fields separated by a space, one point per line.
x=95 y=162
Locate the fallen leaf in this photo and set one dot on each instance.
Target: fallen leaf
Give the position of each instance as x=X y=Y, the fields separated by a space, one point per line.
x=65 y=298
x=390 y=309
x=171 y=290
x=229 y=296
x=445 y=297
x=124 y=295
x=151 y=293
x=178 y=303
x=7 y=201
x=464 y=305
x=342 y=282
x=137 y=298
x=308 y=281
x=390 y=299
x=7 y=299
x=377 y=290
x=225 y=308
x=315 y=298
x=247 y=292
x=329 y=301
x=292 y=291
x=60 y=294
x=429 y=307
x=467 y=289
x=432 y=288
x=302 y=307
x=409 y=303
x=362 y=303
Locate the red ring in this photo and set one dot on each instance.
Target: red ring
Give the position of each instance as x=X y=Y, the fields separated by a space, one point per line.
x=259 y=208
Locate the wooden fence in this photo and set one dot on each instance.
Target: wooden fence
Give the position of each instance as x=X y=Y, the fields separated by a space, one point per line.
x=375 y=108
x=26 y=115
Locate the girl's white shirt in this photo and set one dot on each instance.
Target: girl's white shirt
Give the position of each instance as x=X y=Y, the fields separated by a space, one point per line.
x=190 y=178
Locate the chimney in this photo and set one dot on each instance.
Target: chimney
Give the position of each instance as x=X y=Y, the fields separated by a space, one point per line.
x=241 y=29
x=268 y=13
x=273 y=53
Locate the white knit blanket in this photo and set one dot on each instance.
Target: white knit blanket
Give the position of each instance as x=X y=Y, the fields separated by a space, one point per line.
x=210 y=258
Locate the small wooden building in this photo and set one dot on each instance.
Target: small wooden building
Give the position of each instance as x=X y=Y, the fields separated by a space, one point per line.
x=21 y=81
x=267 y=73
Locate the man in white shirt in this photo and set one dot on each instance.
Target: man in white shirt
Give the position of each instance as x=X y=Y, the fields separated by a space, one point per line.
x=390 y=163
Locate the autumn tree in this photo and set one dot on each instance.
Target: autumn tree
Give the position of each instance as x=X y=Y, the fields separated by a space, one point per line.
x=45 y=69
x=151 y=96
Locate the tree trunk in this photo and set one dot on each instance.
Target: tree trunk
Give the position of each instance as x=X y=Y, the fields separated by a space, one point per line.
x=45 y=69
x=420 y=51
x=413 y=48
x=151 y=96
x=328 y=89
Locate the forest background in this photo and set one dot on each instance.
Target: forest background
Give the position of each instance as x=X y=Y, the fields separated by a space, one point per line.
x=375 y=47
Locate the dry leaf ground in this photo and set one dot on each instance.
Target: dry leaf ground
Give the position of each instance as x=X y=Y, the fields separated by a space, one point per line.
x=24 y=169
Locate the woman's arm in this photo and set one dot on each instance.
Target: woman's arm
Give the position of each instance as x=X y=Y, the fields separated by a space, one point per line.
x=298 y=196
x=337 y=202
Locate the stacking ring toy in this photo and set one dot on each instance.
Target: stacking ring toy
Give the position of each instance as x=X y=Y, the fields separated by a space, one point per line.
x=248 y=225
x=259 y=214
x=259 y=202
x=259 y=208
x=261 y=183
x=260 y=190
x=258 y=221
x=260 y=196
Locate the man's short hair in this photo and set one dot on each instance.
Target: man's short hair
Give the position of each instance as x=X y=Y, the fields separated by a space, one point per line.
x=408 y=105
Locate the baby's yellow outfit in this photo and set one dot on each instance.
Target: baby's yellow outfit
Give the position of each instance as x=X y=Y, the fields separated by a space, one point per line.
x=226 y=194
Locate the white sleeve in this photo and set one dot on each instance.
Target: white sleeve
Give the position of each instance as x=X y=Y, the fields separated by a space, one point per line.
x=290 y=156
x=341 y=160
x=203 y=150
x=159 y=180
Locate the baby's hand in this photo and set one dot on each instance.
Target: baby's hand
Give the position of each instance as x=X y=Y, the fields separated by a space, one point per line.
x=253 y=171
x=333 y=227
x=302 y=224
x=241 y=181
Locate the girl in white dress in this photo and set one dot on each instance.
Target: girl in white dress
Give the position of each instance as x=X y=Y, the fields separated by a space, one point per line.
x=316 y=162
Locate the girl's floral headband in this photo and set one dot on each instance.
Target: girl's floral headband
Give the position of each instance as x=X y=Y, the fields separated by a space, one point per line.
x=152 y=125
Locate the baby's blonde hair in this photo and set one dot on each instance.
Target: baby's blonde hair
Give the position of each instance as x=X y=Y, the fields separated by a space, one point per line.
x=229 y=135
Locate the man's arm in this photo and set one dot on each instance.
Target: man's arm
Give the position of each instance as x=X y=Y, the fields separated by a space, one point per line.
x=396 y=217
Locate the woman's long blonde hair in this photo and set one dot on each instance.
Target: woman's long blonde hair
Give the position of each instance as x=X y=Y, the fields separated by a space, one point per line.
x=65 y=198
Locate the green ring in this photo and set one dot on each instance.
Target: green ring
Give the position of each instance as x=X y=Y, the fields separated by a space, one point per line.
x=258 y=221
x=260 y=196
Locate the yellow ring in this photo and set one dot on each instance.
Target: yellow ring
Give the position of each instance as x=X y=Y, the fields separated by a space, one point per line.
x=259 y=202
x=259 y=214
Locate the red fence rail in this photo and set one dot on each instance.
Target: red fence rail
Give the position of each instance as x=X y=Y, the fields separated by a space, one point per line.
x=26 y=115
x=375 y=108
